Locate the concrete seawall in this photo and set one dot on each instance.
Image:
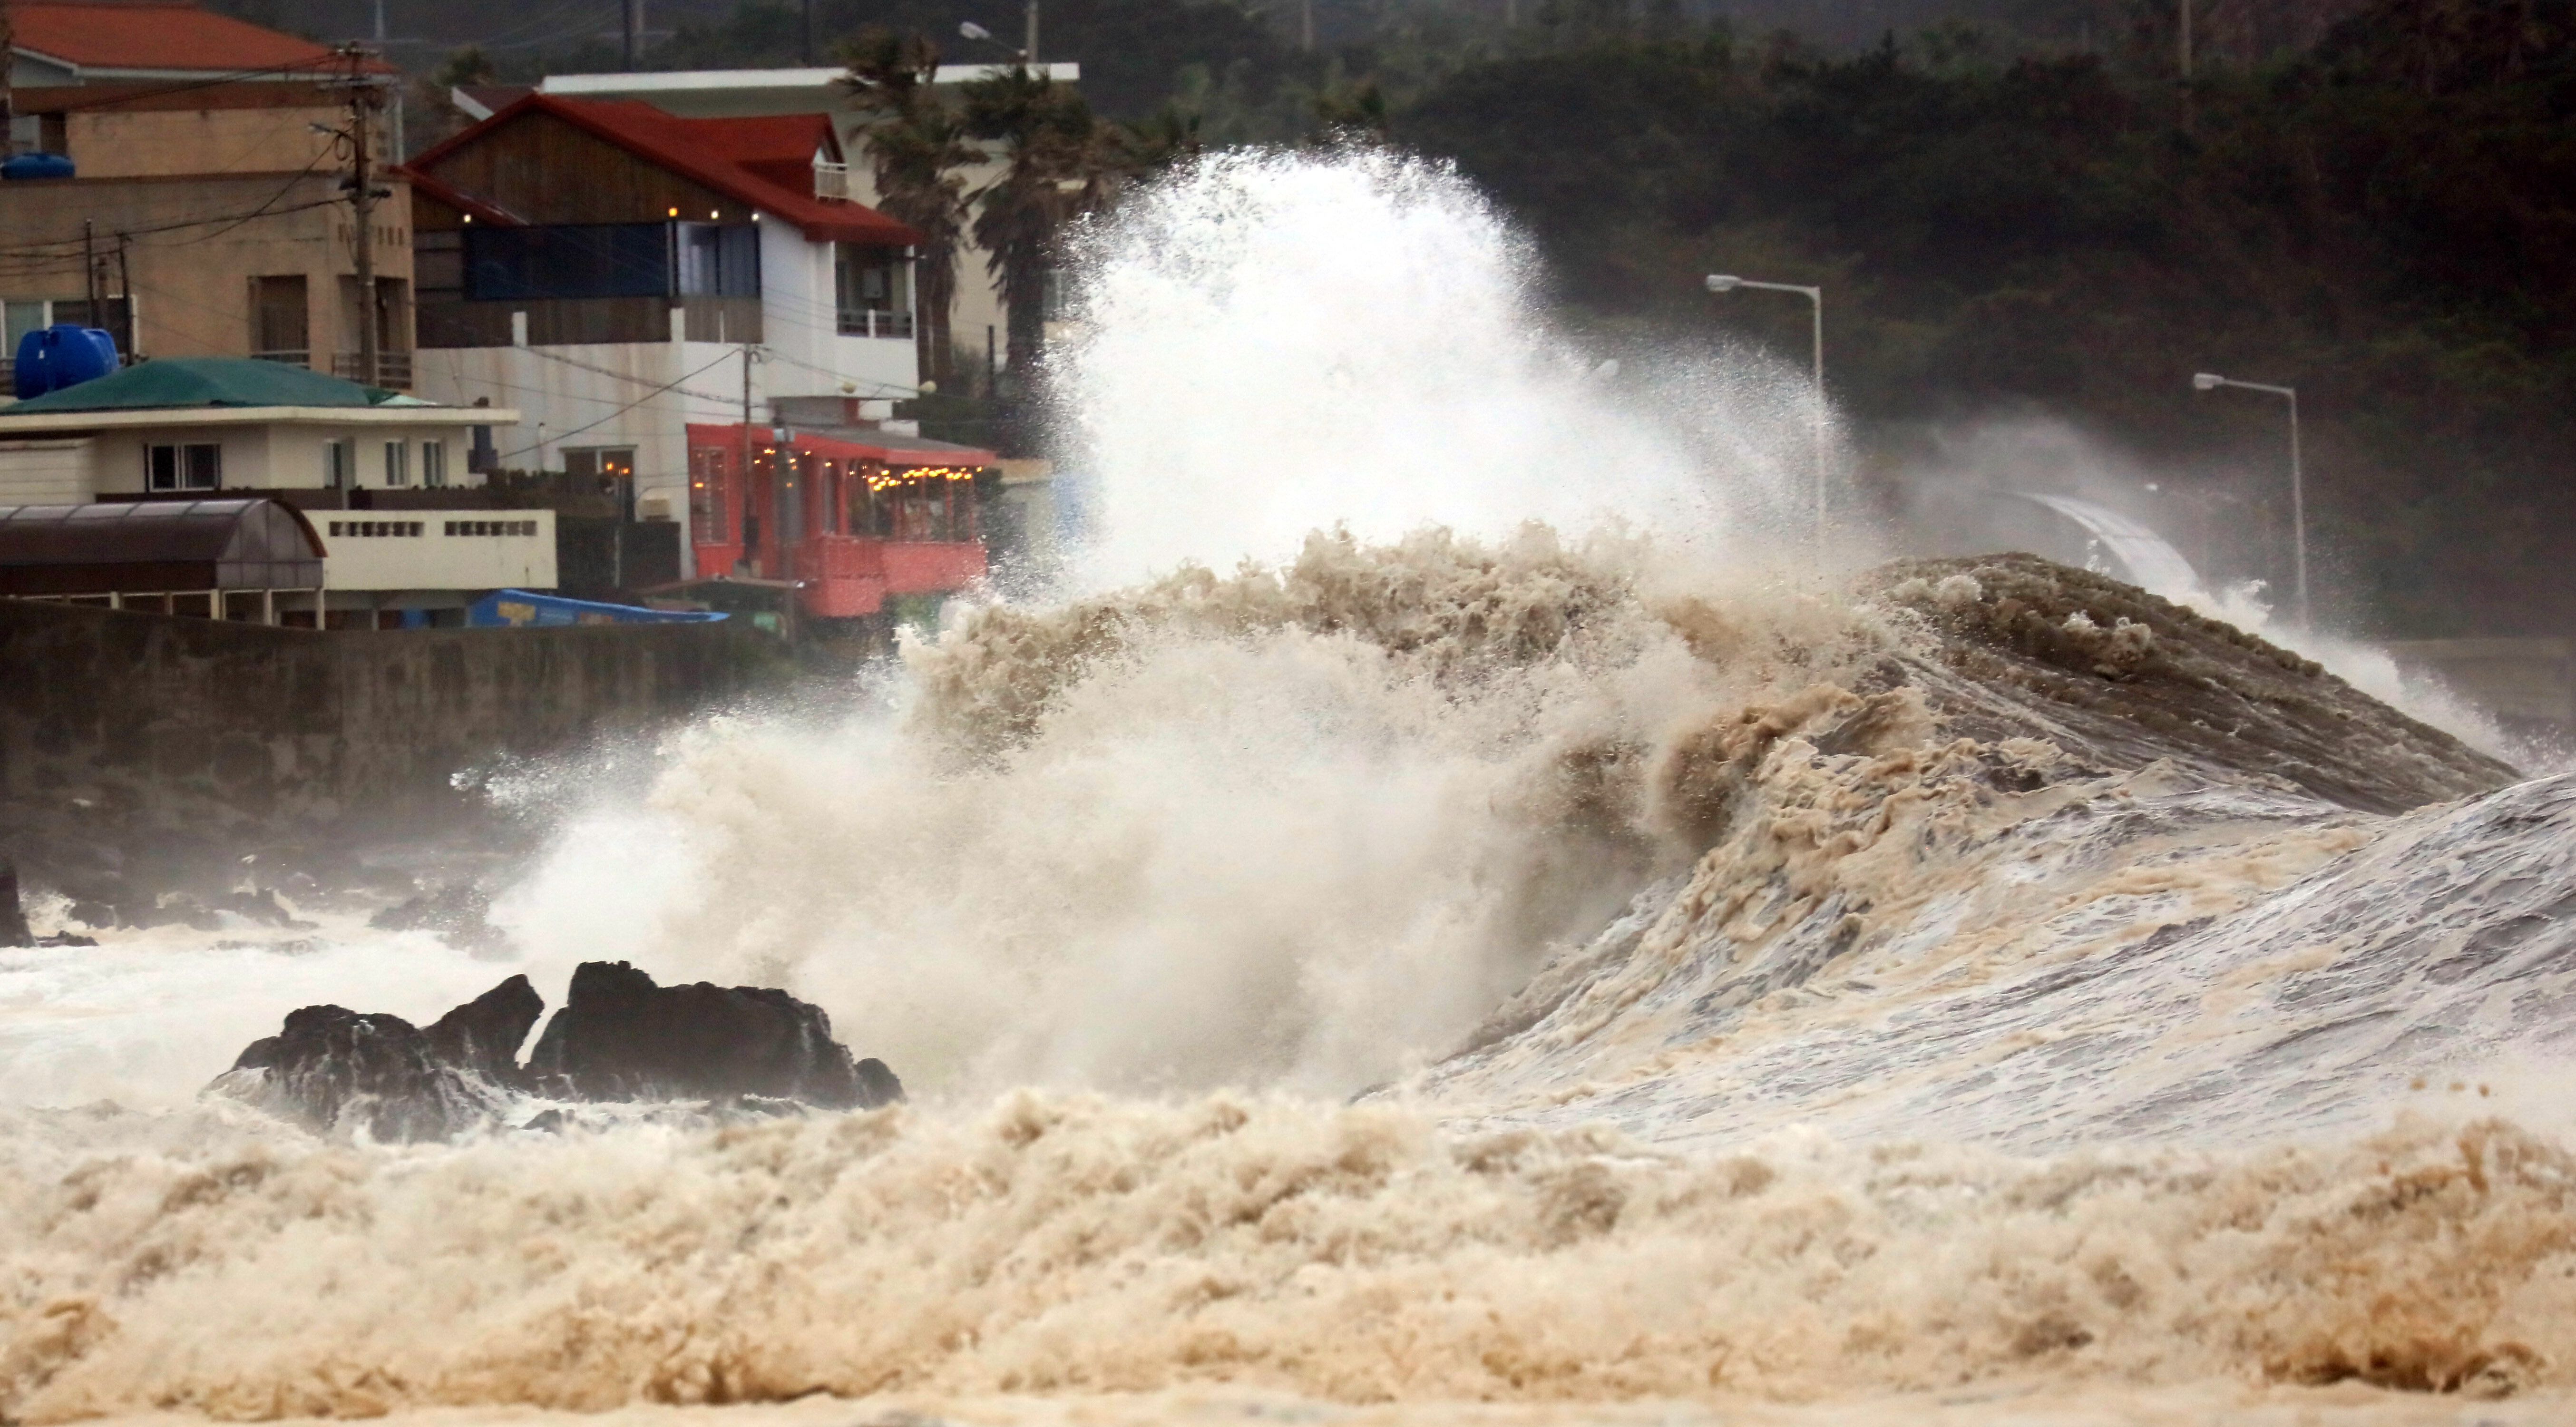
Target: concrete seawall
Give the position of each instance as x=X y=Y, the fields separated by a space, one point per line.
x=115 y=723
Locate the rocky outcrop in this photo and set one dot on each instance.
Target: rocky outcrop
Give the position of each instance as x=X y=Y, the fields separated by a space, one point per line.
x=483 y=1036
x=333 y=1069
x=619 y=1038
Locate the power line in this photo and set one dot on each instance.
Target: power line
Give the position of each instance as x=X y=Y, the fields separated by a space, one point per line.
x=621 y=411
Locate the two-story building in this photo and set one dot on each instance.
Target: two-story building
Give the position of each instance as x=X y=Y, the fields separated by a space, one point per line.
x=646 y=288
x=205 y=214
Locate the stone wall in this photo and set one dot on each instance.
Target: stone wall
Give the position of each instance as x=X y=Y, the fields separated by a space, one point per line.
x=147 y=724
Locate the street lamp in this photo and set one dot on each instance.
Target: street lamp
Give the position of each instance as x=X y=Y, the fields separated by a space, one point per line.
x=1027 y=56
x=1727 y=282
x=2210 y=381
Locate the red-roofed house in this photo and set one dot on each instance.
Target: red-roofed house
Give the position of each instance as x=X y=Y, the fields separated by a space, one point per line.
x=619 y=274
x=53 y=42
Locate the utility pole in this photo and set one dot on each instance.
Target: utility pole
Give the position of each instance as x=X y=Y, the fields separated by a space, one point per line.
x=805 y=47
x=125 y=302
x=2184 y=6
x=89 y=274
x=1306 y=24
x=633 y=13
x=742 y=517
x=362 y=208
x=1033 y=35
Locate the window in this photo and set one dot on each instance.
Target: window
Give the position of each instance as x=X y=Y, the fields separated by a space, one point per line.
x=476 y=529
x=718 y=260
x=397 y=464
x=25 y=315
x=569 y=260
x=707 y=497
x=376 y=529
x=872 y=287
x=433 y=464
x=194 y=467
x=281 y=328
x=339 y=464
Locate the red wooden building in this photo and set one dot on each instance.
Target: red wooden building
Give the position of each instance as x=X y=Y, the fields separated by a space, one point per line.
x=850 y=522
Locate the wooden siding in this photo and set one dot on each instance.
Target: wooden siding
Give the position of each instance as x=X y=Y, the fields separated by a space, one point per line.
x=547 y=171
x=568 y=321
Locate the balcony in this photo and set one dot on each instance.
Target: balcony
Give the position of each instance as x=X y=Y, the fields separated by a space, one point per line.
x=832 y=182
x=393 y=369
x=875 y=322
x=286 y=356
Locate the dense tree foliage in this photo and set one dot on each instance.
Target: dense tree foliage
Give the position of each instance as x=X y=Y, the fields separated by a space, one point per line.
x=2369 y=199
x=2383 y=221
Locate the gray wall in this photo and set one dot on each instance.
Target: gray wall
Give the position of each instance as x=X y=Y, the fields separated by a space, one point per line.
x=208 y=730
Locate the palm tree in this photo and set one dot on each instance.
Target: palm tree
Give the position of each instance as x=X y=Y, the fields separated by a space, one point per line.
x=916 y=144
x=1062 y=160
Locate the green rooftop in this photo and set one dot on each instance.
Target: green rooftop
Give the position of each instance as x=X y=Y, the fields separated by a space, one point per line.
x=182 y=382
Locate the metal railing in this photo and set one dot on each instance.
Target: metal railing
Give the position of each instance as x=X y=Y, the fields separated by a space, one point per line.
x=876 y=322
x=287 y=356
x=393 y=369
x=832 y=181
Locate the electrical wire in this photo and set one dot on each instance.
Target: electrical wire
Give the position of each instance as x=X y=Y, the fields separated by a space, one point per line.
x=621 y=411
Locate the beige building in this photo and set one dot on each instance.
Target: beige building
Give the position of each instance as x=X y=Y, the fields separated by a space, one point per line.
x=390 y=485
x=205 y=265
x=205 y=214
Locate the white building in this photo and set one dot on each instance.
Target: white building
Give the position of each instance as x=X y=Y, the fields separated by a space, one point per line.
x=977 y=321
x=617 y=272
x=388 y=482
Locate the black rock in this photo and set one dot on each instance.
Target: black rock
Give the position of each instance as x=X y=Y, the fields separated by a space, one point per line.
x=877 y=1085
x=621 y=1037
x=332 y=1068
x=13 y=919
x=744 y=1051
x=484 y=1035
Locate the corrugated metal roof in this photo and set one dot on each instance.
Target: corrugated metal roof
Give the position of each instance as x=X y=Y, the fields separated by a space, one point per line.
x=156 y=545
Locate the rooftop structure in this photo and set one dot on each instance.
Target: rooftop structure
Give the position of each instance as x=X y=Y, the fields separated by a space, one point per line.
x=393 y=483
x=223 y=558
x=760 y=165
x=719 y=92
x=94 y=41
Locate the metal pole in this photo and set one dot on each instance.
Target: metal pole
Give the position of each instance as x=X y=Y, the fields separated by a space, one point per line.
x=125 y=301
x=362 y=204
x=2211 y=381
x=631 y=17
x=2298 y=513
x=1724 y=282
x=1032 y=56
x=89 y=276
x=1817 y=296
x=743 y=501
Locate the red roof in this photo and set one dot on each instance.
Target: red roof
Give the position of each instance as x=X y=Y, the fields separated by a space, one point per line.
x=765 y=163
x=160 y=35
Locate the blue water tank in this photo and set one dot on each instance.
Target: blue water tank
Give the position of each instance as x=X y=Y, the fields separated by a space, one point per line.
x=37 y=166
x=65 y=354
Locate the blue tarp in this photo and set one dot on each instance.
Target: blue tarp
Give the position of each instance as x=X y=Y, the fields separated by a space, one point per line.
x=521 y=609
